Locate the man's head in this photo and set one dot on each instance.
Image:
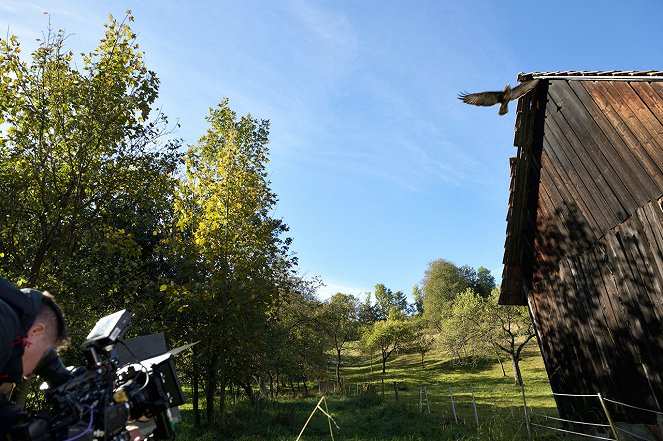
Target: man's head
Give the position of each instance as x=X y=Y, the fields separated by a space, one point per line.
x=48 y=330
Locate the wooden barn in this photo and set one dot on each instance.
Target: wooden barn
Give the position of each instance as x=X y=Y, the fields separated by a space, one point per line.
x=584 y=243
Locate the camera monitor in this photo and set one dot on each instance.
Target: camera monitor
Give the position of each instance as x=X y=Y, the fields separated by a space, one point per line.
x=109 y=329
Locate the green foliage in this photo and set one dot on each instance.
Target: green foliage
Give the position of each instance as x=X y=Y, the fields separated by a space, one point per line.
x=366 y=312
x=387 y=301
x=444 y=282
x=485 y=282
x=476 y=327
x=296 y=341
x=234 y=266
x=418 y=296
x=388 y=336
x=85 y=177
x=340 y=324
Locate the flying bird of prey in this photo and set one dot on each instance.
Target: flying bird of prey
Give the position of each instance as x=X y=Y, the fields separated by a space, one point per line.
x=503 y=97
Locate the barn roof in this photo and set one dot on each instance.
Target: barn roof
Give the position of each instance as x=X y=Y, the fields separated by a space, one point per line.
x=614 y=75
x=605 y=112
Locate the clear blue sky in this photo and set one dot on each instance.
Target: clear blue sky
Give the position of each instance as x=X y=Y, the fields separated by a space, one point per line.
x=379 y=168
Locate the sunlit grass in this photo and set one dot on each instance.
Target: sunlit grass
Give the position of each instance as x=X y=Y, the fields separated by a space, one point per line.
x=364 y=413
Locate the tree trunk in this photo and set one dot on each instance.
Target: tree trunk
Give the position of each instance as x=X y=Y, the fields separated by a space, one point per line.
x=39 y=259
x=305 y=388
x=195 y=399
x=210 y=387
x=222 y=402
x=271 y=385
x=338 y=367
x=248 y=391
x=263 y=386
x=501 y=365
x=518 y=380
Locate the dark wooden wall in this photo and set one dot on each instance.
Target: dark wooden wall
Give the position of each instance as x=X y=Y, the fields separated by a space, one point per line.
x=597 y=263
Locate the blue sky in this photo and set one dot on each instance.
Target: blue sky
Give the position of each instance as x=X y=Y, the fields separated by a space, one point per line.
x=379 y=168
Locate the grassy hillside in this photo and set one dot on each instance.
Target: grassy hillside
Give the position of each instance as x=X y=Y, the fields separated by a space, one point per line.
x=363 y=412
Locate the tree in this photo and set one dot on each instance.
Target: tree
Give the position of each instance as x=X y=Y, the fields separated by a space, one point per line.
x=464 y=332
x=297 y=344
x=388 y=336
x=341 y=324
x=86 y=176
x=478 y=325
x=73 y=144
x=512 y=329
x=443 y=281
x=386 y=301
x=418 y=296
x=422 y=338
x=234 y=266
x=485 y=282
x=366 y=314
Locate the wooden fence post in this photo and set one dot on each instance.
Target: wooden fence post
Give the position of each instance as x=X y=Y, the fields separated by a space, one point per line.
x=427 y=402
x=607 y=414
x=420 y=399
x=529 y=429
x=453 y=405
x=474 y=404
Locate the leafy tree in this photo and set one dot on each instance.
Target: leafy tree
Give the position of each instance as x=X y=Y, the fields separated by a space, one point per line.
x=418 y=296
x=366 y=311
x=485 y=282
x=464 y=332
x=388 y=336
x=296 y=343
x=512 y=329
x=443 y=281
x=479 y=326
x=422 y=338
x=86 y=176
x=386 y=301
x=341 y=324
x=234 y=266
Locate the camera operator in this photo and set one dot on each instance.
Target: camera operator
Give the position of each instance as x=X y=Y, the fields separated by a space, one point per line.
x=31 y=323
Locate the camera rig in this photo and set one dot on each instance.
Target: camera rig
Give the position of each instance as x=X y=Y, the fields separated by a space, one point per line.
x=97 y=402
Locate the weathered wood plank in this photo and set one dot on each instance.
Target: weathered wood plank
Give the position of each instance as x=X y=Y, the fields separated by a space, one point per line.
x=585 y=131
x=572 y=188
x=572 y=218
x=636 y=135
x=651 y=129
x=647 y=177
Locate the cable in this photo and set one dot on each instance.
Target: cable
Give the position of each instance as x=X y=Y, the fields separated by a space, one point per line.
x=574 y=395
x=570 y=431
x=634 y=407
x=632 y=434
x=568 y=421
x=89 y=426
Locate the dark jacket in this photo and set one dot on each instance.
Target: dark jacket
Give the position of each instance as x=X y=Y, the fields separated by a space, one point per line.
x=17 y=313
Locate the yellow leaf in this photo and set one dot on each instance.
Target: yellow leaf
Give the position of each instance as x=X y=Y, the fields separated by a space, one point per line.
x=163 y=287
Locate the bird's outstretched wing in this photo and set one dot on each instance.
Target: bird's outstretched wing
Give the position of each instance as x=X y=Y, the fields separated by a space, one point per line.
x=481 y=98
x=521 y=89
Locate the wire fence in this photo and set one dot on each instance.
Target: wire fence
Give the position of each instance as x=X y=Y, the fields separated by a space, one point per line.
x=467 y=405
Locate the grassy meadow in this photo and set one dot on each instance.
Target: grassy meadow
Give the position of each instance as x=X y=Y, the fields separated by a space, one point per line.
x=364 y=412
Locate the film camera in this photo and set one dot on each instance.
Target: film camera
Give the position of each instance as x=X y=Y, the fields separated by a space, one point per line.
x=117 y=386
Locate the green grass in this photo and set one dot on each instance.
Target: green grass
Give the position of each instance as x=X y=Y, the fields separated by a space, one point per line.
x=364 y=413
